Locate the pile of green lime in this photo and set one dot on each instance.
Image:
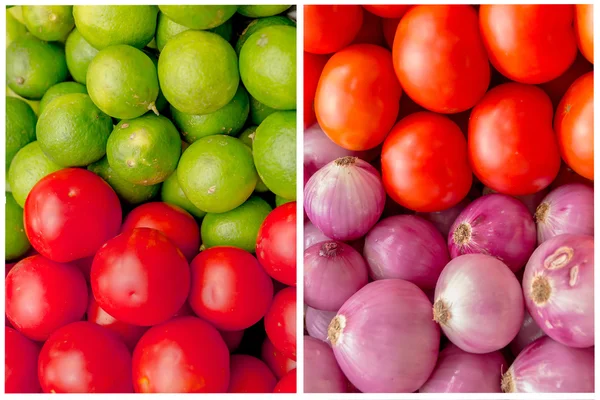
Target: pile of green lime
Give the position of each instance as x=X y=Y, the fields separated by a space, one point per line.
x=193 y=105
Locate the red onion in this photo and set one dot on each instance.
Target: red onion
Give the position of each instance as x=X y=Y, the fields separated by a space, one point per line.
x=321 y=372
x=546 y=366
x=317 y=322
x=312 y=235
x=531 y=201
x=566 y=209
x=406 y=247
x=460 y=372
x=478 y=303
x=345 y=198
x=528 y=334
x=558 y=286
x=443 y=220
x=384 y=339
x=333 y=271
x=496 y=225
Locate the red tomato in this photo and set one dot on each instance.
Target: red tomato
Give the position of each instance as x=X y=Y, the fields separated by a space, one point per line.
x=371 y=31
x=313 y=66
x=276 y=360
x=8 y=267
x=174 y=222
x=229 y=288
x=329 y=28
x=232 y=339
x=357 y=97
x=574 y=126
x=424 y=163
x=70 y=213
x=250 y=375
x=287 y=384
x=556 y=88
x=388 y=10
x=276 y=244
x=584 y=29
x=529 y=43
x=440 y=59
x=140 y=277
x=43 y=295
x=280 y=322
x=84 y=358
x=85 y=266
x=389 y=26
x=183 y=355
x=21 y=363
x=512 y=148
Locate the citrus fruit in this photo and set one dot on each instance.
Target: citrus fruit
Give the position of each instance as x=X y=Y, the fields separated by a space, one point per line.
x=238 y=227
x=172 y=193
x=280 y=200
x=33 y=66
x=27 y=168
x=16 y=243
x=49 y=23
x=247 y=137
x=166 y=29
x=128 y=192
x=198 y=72
x=72 y=131
x=60 y=89
x=20 y=126
x=34 y=104
x=104 y=26
x=217 y=173
x=275 y=153
x=199 y=17
x=227 y=120
x=79 y=55
x=144 y=150
x=122 y=82
x=160 y=103
x=16 y=12
x=14 y=28
x=258 y=24
x=259 y=111
x=268 y=66
x=258 y=11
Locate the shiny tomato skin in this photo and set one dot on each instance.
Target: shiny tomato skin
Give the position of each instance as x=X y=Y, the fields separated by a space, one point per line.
x=174 y=222
x=275 y=359
x=250 y=375
x=424 y=163
x=556 y=88
x=140 y=277
x=229 y=288
x=532 y=43
x=20 y=363
x=388 y=10
x=584 y=29
x=280 y=322
x=512 y=147
x=371 y=31
x=183 y=355
x=313 y=66
x=574 y=126
x=358 y=96
x=389 y=26
x=276 y=244
x=287 y=384
x=329 y=28
x=85 y=358
x=42 y=295
x=447 y=69
x=70 y=213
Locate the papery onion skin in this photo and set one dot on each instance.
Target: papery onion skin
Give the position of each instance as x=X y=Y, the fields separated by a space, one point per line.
x=317 y=322
x=312 y=235
x=345 y=198
x=460 y=372
x=321 y=372
x=558 y=285
x=478 y=303
x=384 y=339
x=406 y=247
x=529 y=333
x=531 y=201
x=496 y=225
x=566 y=209
x=546 y=366
x=444 y=219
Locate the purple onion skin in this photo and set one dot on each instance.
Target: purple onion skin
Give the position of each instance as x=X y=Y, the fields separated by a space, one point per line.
x=321 y=372
x=460 y=372
x=333 y=271
x=406 y=247
x=312 y=235
x=384 y=339
x=529 y=333
x=558 y=285
x=496 y=225
x=531 y=201
x=443 y=220
x=478 y=303
x=546 y=366
x=317 y=322
x=345 y=198
x=566 y=209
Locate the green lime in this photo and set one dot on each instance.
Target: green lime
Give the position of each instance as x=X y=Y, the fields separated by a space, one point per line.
x=34 y=104
x=33 y=66
x=172 y=193
x=79 y=55
x=259 y=11
x=72 y=131
x=259 y=111
x=128 y=192
x=20 y=126
x=280 y=201
x=122 y=81
x=268 y=66
x=199 y=17
x=275 y=153
x=167 y=29
x=17 y=13
x=160 y=103
x=14 y=28
x=217 y=173
x=198 y=72
x=27 y=168
x=238 y=227
x=49 y=23
x=144 y=150
x=247 y=137
x=61 y=89
x=258 y=24
x=104 y=26
x=225 y=30
x=16 y=243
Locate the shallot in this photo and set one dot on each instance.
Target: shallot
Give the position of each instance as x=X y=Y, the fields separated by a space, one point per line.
x=321 y=372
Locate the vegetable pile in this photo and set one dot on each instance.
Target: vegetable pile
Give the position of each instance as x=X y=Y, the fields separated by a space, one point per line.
x=448 y=197
x=151 y=214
